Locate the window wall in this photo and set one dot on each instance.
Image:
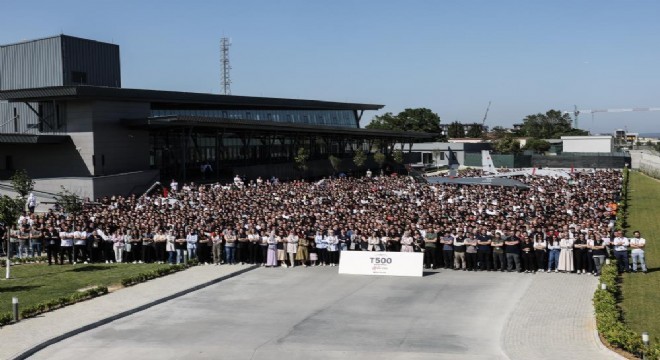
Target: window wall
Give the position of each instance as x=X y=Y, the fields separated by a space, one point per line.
x=337 y=118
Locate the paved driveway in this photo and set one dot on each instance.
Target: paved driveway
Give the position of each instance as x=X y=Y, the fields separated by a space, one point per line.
x=315 y=313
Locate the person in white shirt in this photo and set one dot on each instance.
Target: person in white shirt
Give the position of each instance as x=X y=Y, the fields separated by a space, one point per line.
x=292 y=247
x=637 y=244
x=66 y=245
x=79 y=245
x=174 y=186
x=621 y=244
x=333 y=248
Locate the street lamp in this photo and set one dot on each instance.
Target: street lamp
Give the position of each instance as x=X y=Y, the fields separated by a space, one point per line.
x=645 y=340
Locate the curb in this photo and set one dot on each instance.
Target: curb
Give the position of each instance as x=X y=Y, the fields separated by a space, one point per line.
x=33 y=350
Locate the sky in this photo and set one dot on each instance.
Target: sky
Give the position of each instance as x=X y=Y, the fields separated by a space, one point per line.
x=525 y=56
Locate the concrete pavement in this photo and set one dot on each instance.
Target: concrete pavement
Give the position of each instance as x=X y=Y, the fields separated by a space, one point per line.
x=315 y=313
x=31 y=333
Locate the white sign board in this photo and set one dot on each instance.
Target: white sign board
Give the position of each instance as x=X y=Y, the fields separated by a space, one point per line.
x=381 y=263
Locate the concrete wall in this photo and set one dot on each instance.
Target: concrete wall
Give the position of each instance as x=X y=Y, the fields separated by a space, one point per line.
x=588 y=144
x=117 y=148
x=89 y=187
x=43 y=160
x=646 y=162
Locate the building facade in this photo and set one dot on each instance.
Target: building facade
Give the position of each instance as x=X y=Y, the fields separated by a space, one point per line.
x=65 y=119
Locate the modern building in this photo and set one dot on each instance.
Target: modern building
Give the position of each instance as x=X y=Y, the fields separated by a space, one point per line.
x=65 y=118
x=441 y=154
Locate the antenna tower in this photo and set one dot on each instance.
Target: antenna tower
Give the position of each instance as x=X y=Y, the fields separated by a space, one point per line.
x=225 y=43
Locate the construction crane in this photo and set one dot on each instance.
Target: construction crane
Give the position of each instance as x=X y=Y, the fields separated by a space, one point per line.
x=577 y=112
x=485 y=115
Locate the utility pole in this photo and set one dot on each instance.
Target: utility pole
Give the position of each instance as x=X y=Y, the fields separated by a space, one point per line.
x=225 y=80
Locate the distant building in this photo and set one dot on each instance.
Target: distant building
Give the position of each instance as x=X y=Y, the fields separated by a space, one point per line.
x=588 y=144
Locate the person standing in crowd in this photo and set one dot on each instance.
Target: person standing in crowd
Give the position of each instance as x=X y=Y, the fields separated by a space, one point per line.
x=95 y=244
x=160 y=246
x=31 y=203
x=281 y=248
x=230 y=246
x=598 y=245
x=204 y=247
x=271 y=258
x=292 y=247
x=108 y=246
x=170 y=248
x=580 y=253
x=471 y=252
x=499 y=260
x=66 y=244
x=566 y=254
x=263 y=244
x=36 y=240
x=79 y=245
x=24 y=249
x=148 y=247
x=14 y=235
x=191 y=244
x=52 y=241
x=407 y=242
x=302 y=254
x=484 y=250
x=430 y=241
x=344 y=240
x=253 y=247
x=512 y=251
x=373 y=242
x=621 y=244
x=118 y=243
x=637 y=244
x=321 y=248
x=242 y=247
x=459 y=251
x=554 y=250
x=528 y=259
x=180 y=246
x=174 y=186
x=333 y=248
x=540 y=251
x=216 y=240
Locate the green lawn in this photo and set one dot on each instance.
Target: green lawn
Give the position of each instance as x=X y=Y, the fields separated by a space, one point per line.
x=641 y=293
x=36 y=283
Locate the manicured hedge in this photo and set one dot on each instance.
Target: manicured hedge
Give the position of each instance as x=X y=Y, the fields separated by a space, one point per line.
x=146 y=276
x=18 y=261
x=609 y=317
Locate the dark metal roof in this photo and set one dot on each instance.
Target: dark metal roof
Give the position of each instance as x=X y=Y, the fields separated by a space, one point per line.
x=267 y=126
x=173 y=97
x=32 y=139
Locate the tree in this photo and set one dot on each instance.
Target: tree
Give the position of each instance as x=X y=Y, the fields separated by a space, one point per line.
x=498 y=132
x=475 y=131
x=551 y=125
x=456 y=130
x=335 y=162
x=537 y=145
x=10 y=209
x=69 y=202
x=398 y=156
x=22 y=183
x=359 y=158
x=507 y=145
x=379 y=158
x=419 y=119
x=301 y=159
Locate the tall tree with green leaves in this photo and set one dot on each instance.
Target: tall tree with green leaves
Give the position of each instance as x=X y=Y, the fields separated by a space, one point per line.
x=10 y=209
x=379 y=158
x=551 y=125
x=69 y=202
x=418 y=119
x=301 y=159
x=537 y=145
x=22 y=183
x=507 y=145
x=359 y=158
x=398 y=156
x=475 y=131
x=456 y=130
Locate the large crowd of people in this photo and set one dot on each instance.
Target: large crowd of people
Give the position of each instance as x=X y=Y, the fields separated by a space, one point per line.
x=558 y=225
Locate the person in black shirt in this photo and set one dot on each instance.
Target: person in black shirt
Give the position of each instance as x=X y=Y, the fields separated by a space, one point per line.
x=52 y=241
x=512 y=251
x=527 y=248
x=484 y=251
